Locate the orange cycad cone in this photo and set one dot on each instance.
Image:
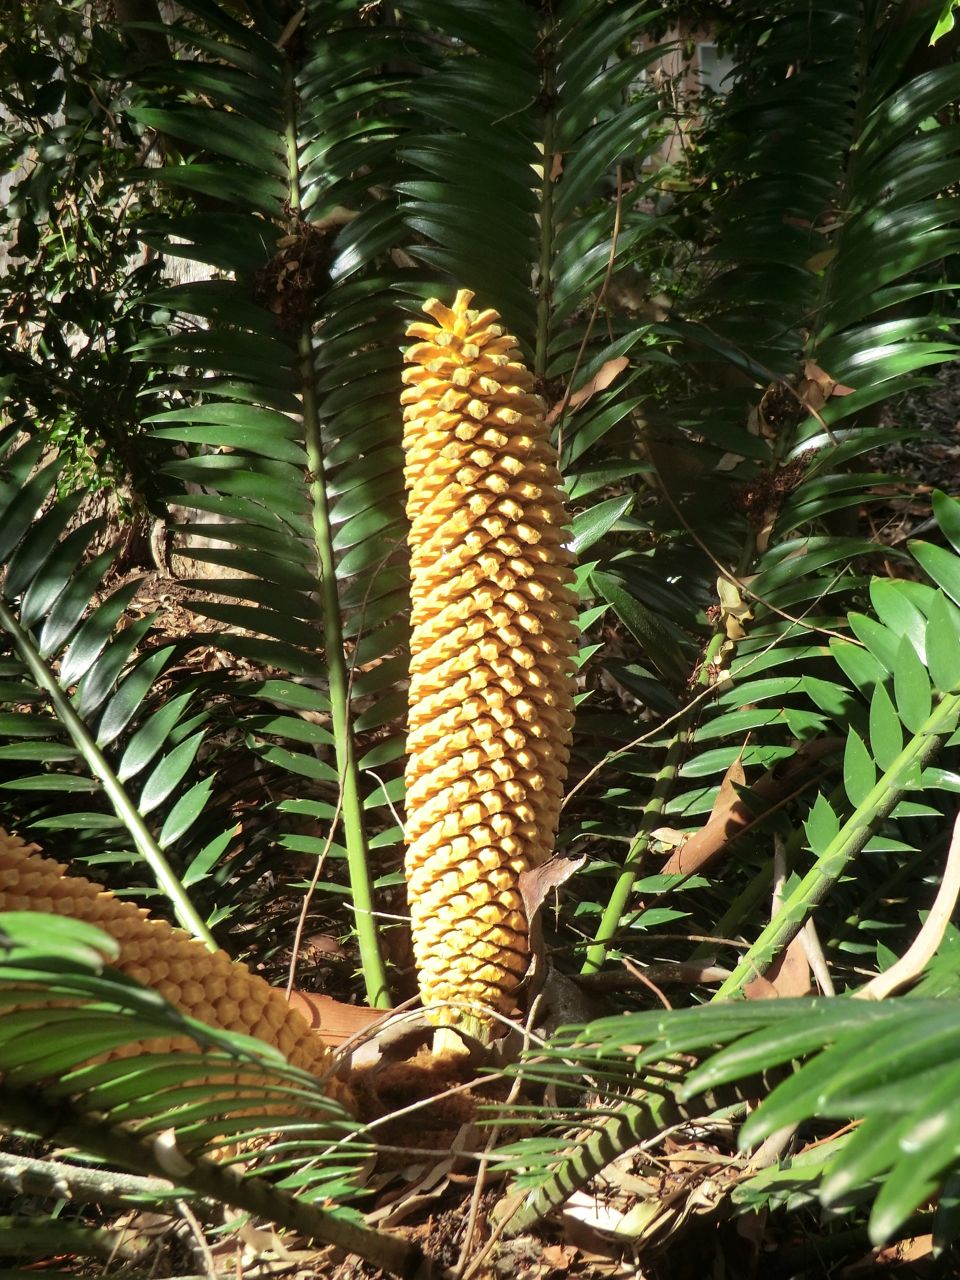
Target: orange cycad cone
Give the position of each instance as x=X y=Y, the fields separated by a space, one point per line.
x=208 y=986
x=491 y=684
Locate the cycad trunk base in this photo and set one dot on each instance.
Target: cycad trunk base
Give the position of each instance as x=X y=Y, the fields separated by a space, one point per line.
x=491 y=673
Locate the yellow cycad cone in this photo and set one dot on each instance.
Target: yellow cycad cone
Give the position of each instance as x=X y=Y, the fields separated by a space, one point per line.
x=208 y=986
x=491 y=684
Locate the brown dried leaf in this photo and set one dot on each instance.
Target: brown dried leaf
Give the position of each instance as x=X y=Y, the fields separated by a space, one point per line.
x=670 y=836
x=728 y=803
x=915 y=1249
x=817 y=387
x=735 y=610
x=324 y=944
x=813 y=373
x=605 y=375
x=333 y=1021
x=559 y=1256
x=820 y=261
x=789 y=975
x=902 y=1251
x=764 y=534
x=728 y=816
x=535 y=884
x=713 y=838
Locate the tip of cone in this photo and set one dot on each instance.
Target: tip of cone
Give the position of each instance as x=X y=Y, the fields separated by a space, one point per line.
x=447 y=1044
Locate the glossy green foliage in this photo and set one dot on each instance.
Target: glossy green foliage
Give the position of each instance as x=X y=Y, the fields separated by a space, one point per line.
x=870 y=1060
x=789 y=231
x=45 y=1055
x=814 y=271
x=905 y=669
x=862 y=1061
x=90 y=748
x=385 y=163
x=714 y=335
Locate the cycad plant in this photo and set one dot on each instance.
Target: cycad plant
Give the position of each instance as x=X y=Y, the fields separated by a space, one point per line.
x=754 y=673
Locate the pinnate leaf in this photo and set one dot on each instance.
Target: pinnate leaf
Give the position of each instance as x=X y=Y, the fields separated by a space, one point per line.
x=911 y=687
x=859 y=770
x=943 y=644
x=886 y=735
x=822 y=825
x=942 y=566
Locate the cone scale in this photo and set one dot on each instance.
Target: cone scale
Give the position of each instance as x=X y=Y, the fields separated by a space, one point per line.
x=491 y=673
x=205 y=985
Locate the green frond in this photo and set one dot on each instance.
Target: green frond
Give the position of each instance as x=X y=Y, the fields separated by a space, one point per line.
x=909 y=675
x=222 y=1121
x=65 y=647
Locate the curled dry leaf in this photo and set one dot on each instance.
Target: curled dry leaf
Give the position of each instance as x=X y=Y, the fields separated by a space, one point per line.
x=535 y=884
x=817 y=387
x=731 y=814
x=672 y=837
x=333 y=1021
x=603 y=378
x=735 y=610
x=789 y=975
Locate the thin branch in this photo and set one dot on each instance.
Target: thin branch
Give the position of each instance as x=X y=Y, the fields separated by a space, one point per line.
x=600 y=299
x=686 y=972
x=706 y=693
x=308 y=896
x=464 y=1271
x=28 y=1108
x=742 y=586
x=913 y=962
x=203 y=1245
x=24 y=1175
x=815 y=958
x=637 y=742
x=644 y=980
